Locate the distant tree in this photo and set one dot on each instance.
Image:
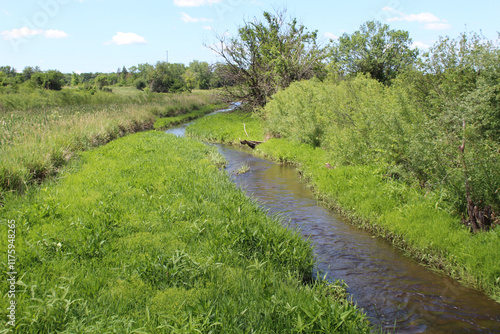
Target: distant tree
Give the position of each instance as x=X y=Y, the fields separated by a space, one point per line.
x=203 y=74
x=375 y=50
x=140 y=83
x=267 y=56
x=9 y=71
x=112 y=79
x=3 y=79
x=86 y=77
x=123 y=77
x=159 y=78
x=52 y=80
x=29 y=71
x=75 y=79
x=190 y=79
x=55 y=80
x=100 y=81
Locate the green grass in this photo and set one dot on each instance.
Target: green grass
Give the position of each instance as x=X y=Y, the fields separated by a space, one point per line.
x=35 y=143
x=414 y=220
x=166 y=122
x=147 y=235
x=227 y=128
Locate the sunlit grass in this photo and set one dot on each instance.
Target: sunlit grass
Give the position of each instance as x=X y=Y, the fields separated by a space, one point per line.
x=227 y=128
x=147 y=235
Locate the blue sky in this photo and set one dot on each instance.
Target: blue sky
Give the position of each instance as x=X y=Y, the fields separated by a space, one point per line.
x=102 y=35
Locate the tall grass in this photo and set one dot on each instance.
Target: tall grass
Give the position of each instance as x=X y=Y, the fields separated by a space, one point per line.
x=147 y=235
x=416 y=220
x=35 y=143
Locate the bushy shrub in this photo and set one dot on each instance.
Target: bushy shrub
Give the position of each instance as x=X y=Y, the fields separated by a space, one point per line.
x=140 y=84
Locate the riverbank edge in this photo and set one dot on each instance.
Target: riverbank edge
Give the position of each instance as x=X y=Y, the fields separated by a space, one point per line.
x=431 y=258
x=165 y=123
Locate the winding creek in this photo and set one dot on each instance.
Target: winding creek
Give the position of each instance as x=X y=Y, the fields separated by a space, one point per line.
x=396 y=293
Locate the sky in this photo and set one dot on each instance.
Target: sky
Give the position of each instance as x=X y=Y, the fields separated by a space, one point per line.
x=104 y=35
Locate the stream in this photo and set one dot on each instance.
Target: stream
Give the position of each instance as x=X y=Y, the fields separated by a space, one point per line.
x=395 y=292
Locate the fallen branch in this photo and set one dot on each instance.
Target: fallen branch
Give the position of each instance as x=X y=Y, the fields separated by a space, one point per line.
x=251 y=143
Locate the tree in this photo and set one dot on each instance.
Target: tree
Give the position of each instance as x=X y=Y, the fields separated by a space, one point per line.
x=75 y=79
x=203 y=74
x=29 y=71
x=266 y=57
x=375 y=50
x=52 y=80
x=101 y=80
x=10 y=71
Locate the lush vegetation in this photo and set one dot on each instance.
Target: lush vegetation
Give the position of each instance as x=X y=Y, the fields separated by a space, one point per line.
x=37 y=141
x=414 y=158
x=227 y=128
x=416 y=220
x=196 y=112
x=147 y=235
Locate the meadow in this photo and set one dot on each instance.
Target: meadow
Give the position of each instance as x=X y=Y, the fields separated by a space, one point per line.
x=417 y=220
x=147 y=235
x=37 y=138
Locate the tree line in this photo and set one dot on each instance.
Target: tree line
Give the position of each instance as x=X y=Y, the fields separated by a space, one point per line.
x=161 y=77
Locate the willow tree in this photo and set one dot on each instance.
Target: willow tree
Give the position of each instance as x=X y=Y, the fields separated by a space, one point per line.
x=267 y=56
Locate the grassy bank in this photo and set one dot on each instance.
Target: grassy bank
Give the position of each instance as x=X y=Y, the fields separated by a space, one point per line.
x=227 y=128
x=410 y=217
x=36 y=142
x=166 y=122
x=147 y=235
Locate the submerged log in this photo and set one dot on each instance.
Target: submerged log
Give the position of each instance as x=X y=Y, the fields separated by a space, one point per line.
x=251 y=143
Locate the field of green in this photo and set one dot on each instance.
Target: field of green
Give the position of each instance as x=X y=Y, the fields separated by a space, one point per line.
x=41 y=130
x=416 y=220
x=146 y=235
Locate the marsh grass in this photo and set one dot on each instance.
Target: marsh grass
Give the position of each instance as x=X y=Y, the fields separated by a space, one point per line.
x=35 y=143
x=147 y=235
x=412 y=218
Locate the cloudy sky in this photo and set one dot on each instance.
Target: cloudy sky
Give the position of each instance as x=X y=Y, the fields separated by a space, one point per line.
x=102 y=35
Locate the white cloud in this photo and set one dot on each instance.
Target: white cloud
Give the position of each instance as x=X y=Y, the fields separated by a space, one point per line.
x=419 y=45
x=437 y=26
x=331 y=36
x=194 y=3
x=124 y=38
x=431 y=21
x=188 y=19
x=27 y=32
x=20 y=33
x=55 y=34
x=422 y=17
x=208 y=28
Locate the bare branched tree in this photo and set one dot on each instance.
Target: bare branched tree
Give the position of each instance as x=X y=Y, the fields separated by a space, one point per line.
x=267 y=56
